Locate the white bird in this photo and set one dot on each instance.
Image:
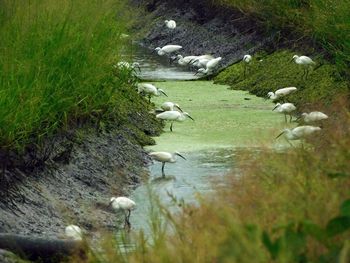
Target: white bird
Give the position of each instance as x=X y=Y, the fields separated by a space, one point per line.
x=246 y=60
x=285 y=108
x=304 y=61
x=312 y=116
x=74 y=232
x=170 y=106
x=167 y=49
x=173 y=116
x=150 y=90
x=185 y=61
x=125 y=204
x=299 y=132
x=210 y=66
x=171 y=24
x=281 y=93
x=165 y=157
x=202 y=61
x=127 y=65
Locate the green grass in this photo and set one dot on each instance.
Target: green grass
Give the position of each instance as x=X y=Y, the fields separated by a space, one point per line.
x=326 y=22
x=56 y=67
x=275 y=71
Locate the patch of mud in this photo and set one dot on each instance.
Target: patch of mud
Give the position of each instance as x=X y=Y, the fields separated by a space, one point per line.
x=204 y=29
x=71 y=179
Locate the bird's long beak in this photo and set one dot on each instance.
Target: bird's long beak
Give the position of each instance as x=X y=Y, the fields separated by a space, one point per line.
x=196 y=73
x=163 y=93
x=139 y=68
x=298 y=119
x=274 y=108
x=190 y=117
x=179 y=108
x=291 y=60
x=181 y=156
x=280 y=134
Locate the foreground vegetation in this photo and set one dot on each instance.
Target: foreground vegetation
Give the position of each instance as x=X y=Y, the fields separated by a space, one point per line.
x=56 y=68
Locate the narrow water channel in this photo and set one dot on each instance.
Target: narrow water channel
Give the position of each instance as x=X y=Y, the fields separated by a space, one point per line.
x=224 y=121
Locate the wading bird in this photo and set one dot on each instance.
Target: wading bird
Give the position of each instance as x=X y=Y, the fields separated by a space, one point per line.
x=127 y=65
x=210 y=66
x=150 y=90
x=304 y=61
x=170 y=106
x=285 y=108
x=312 y=116
x=299 y=132
x=171 y=24
x=185 y=61
x=74 y=232
x=165 y=157
x=281 y=93
x=125 y=204
x=246 y=60
x=201 y=61
x=167 y=49
x=173 y=116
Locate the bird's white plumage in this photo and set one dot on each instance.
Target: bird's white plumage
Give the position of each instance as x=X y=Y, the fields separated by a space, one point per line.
x=122 y=203
x=73 y=232
x=304 y=61
x=163 y=157
x=149 y=89
x=247 y=58
x=171 y=24
x=313 y=116
x=173 y=116
x=211 y=64
x=184 y=61
x=167 y=49
x=285 y=107
x=170 y=106
x=299 y=132
x=281 y=92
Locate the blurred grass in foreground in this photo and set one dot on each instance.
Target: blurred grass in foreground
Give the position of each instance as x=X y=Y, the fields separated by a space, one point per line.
x=56 y=66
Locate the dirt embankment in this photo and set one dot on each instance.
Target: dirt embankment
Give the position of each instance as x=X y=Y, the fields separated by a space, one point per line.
x=71 y=178
x=203 y=29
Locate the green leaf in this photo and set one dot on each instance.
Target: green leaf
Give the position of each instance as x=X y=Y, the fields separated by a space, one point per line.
x=338 y=225
x=295 y=241
x=345 y=208
x=312 y=229
x=273 y=247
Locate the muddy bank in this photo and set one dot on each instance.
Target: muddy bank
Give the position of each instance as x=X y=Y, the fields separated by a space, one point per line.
x=70 y=179
x=203 y=29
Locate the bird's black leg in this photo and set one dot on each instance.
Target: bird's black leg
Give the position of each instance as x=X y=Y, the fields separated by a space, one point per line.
x=245 y=69
x=171 y=127
x=285 y=117
x=307 y=73
x=149 y=98
x=163 y=174
x=290 y=120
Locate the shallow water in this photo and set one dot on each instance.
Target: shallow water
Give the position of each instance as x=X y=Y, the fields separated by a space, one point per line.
x=154 y=67
x=225 y=120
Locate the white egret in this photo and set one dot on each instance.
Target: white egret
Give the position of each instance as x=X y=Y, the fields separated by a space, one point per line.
x=285 y=108
x=312 y=116
x=170 y=106
x=210 y=66
x=125 y=204
x=167 y=49
x=150 y=90
x=246 y=60
x=74 y=232
x=202 y=61
x=299 y=132
x=185 y=61
x=281 y=93
x=173 y=116
x=171 y=24
x=127 y=65
x=304 y=61
x=165 y=157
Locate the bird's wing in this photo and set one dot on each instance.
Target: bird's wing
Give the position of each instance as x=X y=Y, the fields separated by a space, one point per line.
x=168 y=115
